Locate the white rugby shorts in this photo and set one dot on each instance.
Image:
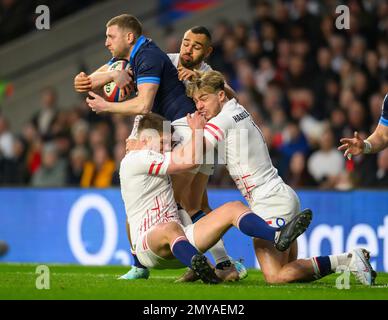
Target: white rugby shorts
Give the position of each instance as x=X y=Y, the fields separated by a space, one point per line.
x=279 y=206
x=150 y=259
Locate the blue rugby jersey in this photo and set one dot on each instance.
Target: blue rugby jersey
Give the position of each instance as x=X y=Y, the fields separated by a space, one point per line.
x=384 y=112
x=151 y=65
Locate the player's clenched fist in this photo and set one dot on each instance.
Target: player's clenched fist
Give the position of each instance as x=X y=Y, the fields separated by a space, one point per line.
x=97 y=104
x=82 y=83
x=196 y=121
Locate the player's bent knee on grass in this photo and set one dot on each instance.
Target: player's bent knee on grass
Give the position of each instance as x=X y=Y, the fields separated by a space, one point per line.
x=160 y=238
x=271 y=260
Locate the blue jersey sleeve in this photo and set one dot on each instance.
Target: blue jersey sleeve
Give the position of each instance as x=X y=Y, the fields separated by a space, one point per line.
x=150 y=69
x=384 y=112
x=111 y=61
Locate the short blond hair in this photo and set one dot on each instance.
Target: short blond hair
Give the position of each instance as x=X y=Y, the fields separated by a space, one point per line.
x=127 y=22
x=209 y=82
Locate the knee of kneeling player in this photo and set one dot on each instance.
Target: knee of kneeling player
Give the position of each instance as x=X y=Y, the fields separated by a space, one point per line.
x=274 y=278
x=271 y=278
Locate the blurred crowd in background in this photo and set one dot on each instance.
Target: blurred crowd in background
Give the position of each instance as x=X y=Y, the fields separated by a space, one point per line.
x=305 y=83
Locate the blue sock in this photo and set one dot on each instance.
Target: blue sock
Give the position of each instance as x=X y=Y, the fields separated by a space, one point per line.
x=322 y=266
x=136 y=262
x=200 y=214
x=183 y=250
x=254 y=226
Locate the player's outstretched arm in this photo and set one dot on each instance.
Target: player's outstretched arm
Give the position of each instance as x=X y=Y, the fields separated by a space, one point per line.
x=188 y=156
x=373 y=144
x=141 y=104
x=379 y=139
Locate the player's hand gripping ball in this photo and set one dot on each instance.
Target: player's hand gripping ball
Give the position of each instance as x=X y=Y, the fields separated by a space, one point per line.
x=112 y=90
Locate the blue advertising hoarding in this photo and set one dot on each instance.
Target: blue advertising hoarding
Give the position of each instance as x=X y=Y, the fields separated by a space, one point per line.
x=87 y=226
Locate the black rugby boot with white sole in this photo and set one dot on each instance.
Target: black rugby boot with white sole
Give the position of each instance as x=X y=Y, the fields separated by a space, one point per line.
x=292 y=230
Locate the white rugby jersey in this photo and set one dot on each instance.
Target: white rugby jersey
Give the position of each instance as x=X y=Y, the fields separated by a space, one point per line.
x=147 y=191
x=242 y=147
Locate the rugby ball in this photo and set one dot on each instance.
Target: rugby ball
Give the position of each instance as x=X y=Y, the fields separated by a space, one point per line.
x=111 y=91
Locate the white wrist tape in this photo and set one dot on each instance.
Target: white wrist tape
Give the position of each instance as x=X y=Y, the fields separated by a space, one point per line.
x=367 y=147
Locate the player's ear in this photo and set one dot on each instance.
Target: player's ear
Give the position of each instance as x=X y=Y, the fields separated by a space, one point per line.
x=131 y=38
x=208 y=51
x=221 y=95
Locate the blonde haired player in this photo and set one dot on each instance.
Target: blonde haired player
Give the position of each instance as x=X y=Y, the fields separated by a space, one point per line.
x=266 y=193
x=158 y=234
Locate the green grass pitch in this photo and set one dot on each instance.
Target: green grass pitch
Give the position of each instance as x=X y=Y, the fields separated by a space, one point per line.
x=17 y=281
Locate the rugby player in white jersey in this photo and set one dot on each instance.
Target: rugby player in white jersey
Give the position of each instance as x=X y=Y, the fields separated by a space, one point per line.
x=158 y=235
x=195 y=49
x=230 y=128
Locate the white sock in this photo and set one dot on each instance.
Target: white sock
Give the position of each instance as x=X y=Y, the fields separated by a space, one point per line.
x=340 y=260
x=218 y=252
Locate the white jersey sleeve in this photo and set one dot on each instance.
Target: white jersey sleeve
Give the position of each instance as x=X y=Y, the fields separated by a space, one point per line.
x=174 y=57
x=149 y=162
x=217 y=128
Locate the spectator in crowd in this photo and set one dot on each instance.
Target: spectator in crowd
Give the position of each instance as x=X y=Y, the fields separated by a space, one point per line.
x=327 y=163
x=52 y=172
x=293 y=141
x=13 y=171
x=78 y=158
x=98 y=172
x=6 y=139
x=44 y=119
x=298 y=175
x=80 y=133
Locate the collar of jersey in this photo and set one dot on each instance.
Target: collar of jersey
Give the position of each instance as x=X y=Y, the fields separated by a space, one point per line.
x=136 y=48
x=231 y=102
